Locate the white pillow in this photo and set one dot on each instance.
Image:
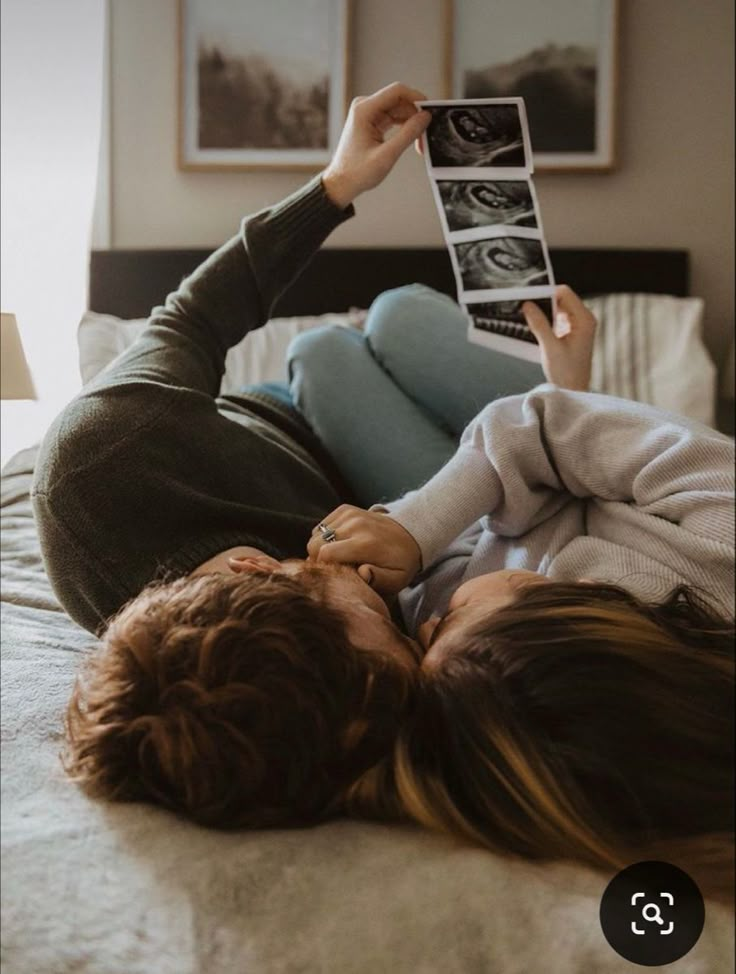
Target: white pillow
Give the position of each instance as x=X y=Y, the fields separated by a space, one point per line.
x=649 y=347
x=259 y=357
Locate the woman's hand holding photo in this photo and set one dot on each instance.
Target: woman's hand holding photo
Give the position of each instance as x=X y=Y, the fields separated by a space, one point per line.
x=386 y=554
x=566 y=358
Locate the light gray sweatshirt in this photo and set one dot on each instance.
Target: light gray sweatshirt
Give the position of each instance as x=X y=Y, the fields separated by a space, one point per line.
x=577 y=485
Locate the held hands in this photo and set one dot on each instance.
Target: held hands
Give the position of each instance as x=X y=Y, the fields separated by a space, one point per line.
x=363 y=159
x=566 y=358
x=386 y=554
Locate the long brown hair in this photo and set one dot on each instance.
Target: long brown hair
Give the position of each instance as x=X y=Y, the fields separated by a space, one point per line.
x=235 y=701
x=578 y=722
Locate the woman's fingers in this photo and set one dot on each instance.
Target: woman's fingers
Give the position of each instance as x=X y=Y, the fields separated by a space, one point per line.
x=566 y=347
x=537 y=321
x=342 y=521
x=573 y=315
x=568 y=301
x=346 y=552
x=366 y=537
x=338 y=512
x=570 y=304
x=332 y=521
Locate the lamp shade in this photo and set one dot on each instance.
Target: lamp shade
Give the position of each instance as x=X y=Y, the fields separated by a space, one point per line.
x=15 y=377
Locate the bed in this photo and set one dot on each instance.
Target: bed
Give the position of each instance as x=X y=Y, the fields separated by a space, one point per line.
x=123 y=889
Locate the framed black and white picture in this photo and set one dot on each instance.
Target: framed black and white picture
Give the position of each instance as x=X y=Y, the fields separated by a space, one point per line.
x=559 y=56
x=262 y=84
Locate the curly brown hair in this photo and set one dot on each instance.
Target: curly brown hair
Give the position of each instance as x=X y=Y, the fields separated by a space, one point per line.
x=235 y=701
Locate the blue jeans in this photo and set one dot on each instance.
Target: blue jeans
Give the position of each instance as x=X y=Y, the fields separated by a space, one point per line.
x=391 y=403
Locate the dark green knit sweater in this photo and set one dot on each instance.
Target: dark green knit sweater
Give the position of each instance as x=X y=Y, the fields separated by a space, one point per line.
x=146 y=474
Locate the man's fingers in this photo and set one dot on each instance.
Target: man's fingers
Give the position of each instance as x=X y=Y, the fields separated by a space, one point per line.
x=386 y=581
x=389 y=96
x=395 y=116
x=401 y=111
x=405 y=135
x=367 y=573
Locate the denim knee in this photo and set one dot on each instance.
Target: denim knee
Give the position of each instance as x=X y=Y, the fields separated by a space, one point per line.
x=314 y=358
x=318 y=347
x=393 y=313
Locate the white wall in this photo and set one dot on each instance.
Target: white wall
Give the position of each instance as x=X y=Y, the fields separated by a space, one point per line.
x=52 y=68
x=673 y=185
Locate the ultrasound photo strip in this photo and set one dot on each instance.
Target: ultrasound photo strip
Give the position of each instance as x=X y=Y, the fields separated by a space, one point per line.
x=489 y=211
x=479 y=161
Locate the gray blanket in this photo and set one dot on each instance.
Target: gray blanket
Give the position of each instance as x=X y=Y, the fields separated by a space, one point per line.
x=115 y=889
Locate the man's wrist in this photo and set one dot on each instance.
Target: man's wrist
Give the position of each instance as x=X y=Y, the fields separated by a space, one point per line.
x=337 y=189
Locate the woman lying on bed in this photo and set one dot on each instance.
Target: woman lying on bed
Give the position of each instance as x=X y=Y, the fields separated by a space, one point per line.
x=576 y=692
x=256 y=690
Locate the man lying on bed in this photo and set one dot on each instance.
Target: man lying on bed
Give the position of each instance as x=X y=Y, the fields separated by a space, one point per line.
x=238 y=701
x=248 y=692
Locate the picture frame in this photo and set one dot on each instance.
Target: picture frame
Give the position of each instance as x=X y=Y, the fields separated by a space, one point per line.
x=262 y=85
x=561 y=57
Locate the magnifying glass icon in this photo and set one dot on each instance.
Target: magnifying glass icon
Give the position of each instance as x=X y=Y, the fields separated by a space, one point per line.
x=656 y=915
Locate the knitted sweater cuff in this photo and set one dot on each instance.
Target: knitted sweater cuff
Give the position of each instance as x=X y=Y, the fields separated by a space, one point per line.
x=463 y=491
x=308 y=209
x=281 y=239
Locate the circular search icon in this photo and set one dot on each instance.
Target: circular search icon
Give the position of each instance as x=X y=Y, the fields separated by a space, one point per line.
x=652 y=913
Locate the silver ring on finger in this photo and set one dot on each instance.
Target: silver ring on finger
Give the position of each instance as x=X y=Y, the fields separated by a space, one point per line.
x=327 y=533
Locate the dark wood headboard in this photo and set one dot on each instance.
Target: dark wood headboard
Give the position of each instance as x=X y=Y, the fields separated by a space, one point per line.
x=128 y=283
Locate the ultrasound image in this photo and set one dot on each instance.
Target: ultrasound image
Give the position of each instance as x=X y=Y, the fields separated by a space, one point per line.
x=480 y=135
x=475 y=203
x=506 y=317
x=504 y=262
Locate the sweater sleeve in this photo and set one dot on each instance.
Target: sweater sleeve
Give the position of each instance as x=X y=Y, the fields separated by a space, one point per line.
x=525 y=456
x=186 y=340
